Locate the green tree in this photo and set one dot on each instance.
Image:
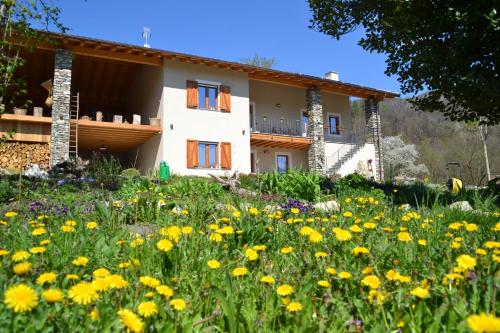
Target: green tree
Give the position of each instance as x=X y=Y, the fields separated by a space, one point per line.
x=18 y=18
x=450 y=48
x=260 y=61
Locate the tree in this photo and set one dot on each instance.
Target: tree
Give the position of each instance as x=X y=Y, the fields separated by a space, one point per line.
x=18 y=18
x=260 y=61
x=399 y=158
x=450 y=48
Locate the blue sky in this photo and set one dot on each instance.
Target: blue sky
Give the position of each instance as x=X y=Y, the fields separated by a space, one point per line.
x=231 y=30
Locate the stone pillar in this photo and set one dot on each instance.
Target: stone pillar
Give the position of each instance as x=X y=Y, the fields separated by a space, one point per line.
x=316 y=154
x=375 y=134
x=59 y=137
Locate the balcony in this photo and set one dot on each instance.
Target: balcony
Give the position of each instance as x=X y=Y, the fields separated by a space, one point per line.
x=279 y=133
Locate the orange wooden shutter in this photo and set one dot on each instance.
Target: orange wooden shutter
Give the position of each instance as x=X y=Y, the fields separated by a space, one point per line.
x=225 y=155
x=192 y=94
x=225 y=98
x=192 y=153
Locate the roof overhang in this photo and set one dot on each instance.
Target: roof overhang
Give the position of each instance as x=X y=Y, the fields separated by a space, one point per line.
x=155 y=57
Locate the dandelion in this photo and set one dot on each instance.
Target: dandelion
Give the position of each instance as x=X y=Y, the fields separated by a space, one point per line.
x=481 y=252
x=147 y=309
x=131 y=321
x=371 y=281
x=38 y=231
x=360 y=250
x=369 y=225
x=102 y=284
x=324 y=284
x=267 y=279
x=178 y=304
x=165 y=291
x=342 y=235
x=164 y=245
x=315 y=237
x=10 y=214
x=420 y=292
x=117 y=281
x=253 y=211
x=94 y=314
x=20 y=256
x=187 y=230
x=294 y=210
x=345 y=275
x=38 y=249
x=67 y=229
x=347 y=214
x=251 y=254
x=72 y=277
x=213 y=264
x=91 y=225
x=3 y=252
x=52 y=295
x=422 y=242
x=331 y=271
x=404 y=237
x=136 y=242
x=239 y=271
x=101 y=273
x=466 y=261
x=22 y=268
x=20 y=298
x=80 y=261
x=46 y=278
x=294 y=307
x=355 y=228
x=216 y=238
x=287 y=250
x=284 y=290
x=83 y=293
x=149 y=281
x=483 y=323
x=376 y=296
x=321 y=254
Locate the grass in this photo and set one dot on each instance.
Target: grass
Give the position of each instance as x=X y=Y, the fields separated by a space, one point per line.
x=203 y=222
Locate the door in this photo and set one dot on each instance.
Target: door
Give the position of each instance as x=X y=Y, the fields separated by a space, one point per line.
x=252 y=116
x=304 y=121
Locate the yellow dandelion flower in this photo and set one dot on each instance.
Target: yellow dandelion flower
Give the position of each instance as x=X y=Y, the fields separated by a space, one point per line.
x=342 y=235
x=38 y=231
x=347 y=214
x=102 y=284
x=117 y=281
x=38 y=249
x=52 y=295
x=465 y=261
x=136 y=242
x=481 y=252
x=213 y=264
x=324 y=284
x=284 y=290
x=321 y=254
x=375 y=296
x=3 y=252
x=22 y=268
x=147 y=309
x=345 y=275
x=371 y=281
x=178 y=304
x=422 y=242
x=94 y=314
x=355 y=228
x=315 y=237
x=267 y=279
x=83 y=293
x=331 y=271
x=164 y=245
x=251 y=254
x=165 y=291
x=253 y=211
x=294 y=307
x=360 y=250
x=420 y=292
x=149 y=281
x=46 y=278
x=404 y=237
x=287 y=250
x=131 y=321
x=239 y=271
x=20 y=256
x=484 y=323
x=10 y=214
x=369 y=225
x=101 y=273
x=67 y=229
x=72 y=277
x=187 y=230
x=216 y=238
x=20 y=298
x=91 y=225
x=80 y=261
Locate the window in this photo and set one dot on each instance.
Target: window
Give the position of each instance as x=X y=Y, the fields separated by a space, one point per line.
x=207 y=97
x=334 y=125
x=282 y=163
x=208 y=155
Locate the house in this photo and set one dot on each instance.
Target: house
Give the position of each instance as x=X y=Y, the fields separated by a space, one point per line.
x=198 y=114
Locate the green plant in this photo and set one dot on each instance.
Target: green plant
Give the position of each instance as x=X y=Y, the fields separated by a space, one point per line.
x=294 y=183
x=6 y=191
x=105 y=170
x=131 y=173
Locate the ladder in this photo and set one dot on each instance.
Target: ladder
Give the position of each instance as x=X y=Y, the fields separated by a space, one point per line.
x=73 y=126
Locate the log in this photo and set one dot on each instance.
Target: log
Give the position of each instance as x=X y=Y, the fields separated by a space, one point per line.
x=19 y=155
x=234 y=185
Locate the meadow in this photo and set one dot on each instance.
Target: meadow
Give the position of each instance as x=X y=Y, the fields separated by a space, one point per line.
x=188 y=256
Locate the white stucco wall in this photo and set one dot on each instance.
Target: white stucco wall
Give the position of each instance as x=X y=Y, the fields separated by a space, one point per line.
x=337 y=105
x=364 y=154
x=146 y=99
x=265 y=158
x=181 y=123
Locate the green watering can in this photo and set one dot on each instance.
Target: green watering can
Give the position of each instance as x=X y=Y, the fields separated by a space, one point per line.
x=164 y=171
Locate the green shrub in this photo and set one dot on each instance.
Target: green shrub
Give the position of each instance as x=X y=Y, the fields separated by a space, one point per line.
x=294 y=184
x=131 y=173
x=105 y=170
x=7 y=191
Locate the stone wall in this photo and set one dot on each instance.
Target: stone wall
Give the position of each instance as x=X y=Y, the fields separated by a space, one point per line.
x=316 y=154
x=59 y=147
x=375 y=134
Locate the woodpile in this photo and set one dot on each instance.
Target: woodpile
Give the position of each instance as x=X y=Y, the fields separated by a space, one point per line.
x=17 y=155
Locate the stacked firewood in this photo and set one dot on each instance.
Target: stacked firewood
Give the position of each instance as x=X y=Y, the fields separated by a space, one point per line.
x=17 y=155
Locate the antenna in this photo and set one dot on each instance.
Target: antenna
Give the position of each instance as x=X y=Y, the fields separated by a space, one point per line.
x=146 y=34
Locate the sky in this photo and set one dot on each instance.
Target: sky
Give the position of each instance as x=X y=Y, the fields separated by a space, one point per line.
x=231 y=30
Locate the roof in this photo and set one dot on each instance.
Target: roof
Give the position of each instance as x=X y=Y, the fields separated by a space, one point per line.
x=150 y=56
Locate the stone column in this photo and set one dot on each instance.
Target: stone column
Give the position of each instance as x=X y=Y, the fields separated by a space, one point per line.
x=316 y=154
x=375 y=134
x=59 y=137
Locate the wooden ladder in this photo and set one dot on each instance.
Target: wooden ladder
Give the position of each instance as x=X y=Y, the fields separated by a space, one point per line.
x=73 y=126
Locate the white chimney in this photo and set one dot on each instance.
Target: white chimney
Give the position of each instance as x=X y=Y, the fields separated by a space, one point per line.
x=331 y=75
x=146 y=34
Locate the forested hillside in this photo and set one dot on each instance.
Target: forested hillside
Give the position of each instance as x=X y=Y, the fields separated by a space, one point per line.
x=438 y=140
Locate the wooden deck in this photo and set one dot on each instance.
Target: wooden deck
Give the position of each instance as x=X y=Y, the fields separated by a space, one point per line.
x=91 y=134
x=279 y=141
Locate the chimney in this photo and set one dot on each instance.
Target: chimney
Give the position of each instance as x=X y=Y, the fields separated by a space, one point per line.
x=332 y=75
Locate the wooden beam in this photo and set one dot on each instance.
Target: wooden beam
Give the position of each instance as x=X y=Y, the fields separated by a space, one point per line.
x=138 y=59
